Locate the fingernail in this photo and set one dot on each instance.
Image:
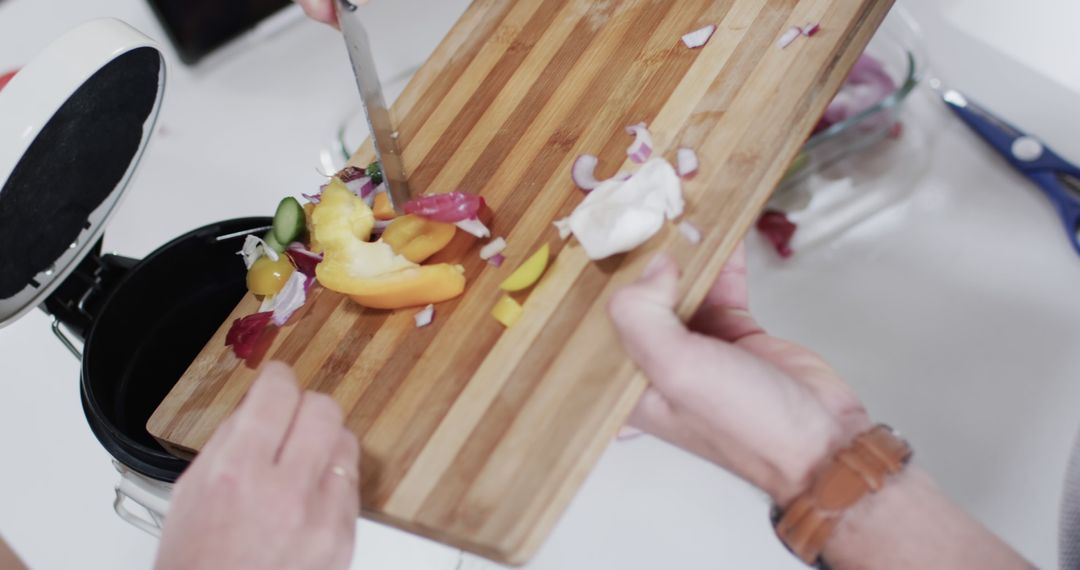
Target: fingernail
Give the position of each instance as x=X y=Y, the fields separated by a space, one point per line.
x=655 y=266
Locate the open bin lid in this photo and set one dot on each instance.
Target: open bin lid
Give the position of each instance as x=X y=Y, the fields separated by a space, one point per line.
x=73 y=125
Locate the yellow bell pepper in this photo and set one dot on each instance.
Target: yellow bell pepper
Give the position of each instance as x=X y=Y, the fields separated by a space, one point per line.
x=340 y=218
x=374 y=274
x=411 y=287
x=529 y=273
x=507 y=311
x=416 y=238
x=382 y=208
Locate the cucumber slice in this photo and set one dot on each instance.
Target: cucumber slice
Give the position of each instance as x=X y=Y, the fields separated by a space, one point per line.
x=288 y=221
x=273 y=242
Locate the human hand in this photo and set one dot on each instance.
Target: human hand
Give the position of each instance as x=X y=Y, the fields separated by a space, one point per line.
x=766 y=409
x=274 y=488
x=323 y=10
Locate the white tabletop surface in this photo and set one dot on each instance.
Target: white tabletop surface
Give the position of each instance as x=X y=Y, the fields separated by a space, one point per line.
x=955 y=313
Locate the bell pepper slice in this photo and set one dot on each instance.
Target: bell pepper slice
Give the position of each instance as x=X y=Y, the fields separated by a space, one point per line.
x=529 y=273
x=382 y=208
x=416 y=238
x=340 y=218
x=507 y=311
x=411 y=287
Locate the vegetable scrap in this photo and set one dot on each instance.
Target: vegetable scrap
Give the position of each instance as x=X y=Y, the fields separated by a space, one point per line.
x=451 y=207
x=529 y=272
x=382 y=208
x=778 y=229
x=303 y=259
x=418 y=238
x=425 y=317
x=687 y=162
x=698 y=38
x=690 y=232
x=373 y=274
x=287 y=301
x=350 y=239
x=507 y=311
x=789 y=37
x=245 y=333
x=497 y=260
x=584 y=172
x=642 y=148
x=475 y=227
x=374 y=172
x=254 y=248
x=268 y=276
x=493 y=248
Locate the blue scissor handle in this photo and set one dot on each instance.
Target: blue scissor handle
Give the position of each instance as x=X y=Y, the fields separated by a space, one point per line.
x=1045 y=170
x=1067 y=203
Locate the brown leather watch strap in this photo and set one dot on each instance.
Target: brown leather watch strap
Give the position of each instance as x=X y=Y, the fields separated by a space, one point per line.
x=854 y=472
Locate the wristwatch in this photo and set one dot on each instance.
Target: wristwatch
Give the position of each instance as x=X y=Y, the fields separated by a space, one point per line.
x=860 y=469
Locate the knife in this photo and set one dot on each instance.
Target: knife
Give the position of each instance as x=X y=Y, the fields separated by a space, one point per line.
x=383 y=133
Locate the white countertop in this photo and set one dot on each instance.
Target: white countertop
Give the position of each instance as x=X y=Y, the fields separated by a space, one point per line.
x=954 y=313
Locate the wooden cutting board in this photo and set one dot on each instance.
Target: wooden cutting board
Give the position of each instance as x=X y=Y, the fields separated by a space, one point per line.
x=476 y=435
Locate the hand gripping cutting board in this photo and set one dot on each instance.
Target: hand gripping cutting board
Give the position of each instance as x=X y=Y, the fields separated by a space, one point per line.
x=476 y=435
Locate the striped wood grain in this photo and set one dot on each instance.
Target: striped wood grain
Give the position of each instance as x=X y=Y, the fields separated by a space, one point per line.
x=478 y=436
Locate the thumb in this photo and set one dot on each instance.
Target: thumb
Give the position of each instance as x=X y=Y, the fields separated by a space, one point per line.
x=644 y=316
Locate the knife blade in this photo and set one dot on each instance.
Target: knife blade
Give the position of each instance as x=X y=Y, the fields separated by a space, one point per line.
x=383 y=132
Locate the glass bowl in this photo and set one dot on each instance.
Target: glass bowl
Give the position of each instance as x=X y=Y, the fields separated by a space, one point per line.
x=855 y=169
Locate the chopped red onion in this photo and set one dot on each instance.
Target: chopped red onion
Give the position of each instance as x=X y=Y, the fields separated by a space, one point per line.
x=642 y=148
x=425 y=317
x=492 y=249
x=698 y=38
x=475 y=227
x=362 y=187
x=584 y=171
x=497 y=260
x=688 y=162
x=690 y=232
x=313 y=198
x=244 y=334
x=789 y=36
x=810 y=29
x=778 y=229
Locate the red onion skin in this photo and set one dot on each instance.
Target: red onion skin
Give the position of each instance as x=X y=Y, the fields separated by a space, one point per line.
x=450 y=208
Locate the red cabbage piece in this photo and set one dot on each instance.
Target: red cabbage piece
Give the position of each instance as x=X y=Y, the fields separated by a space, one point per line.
x=303 y=259
x=778 y=229
x=245 y=333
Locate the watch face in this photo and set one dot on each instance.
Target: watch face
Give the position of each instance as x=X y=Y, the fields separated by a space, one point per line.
x=198 y=27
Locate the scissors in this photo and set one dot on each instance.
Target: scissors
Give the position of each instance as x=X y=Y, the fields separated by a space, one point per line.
x=1058 y=178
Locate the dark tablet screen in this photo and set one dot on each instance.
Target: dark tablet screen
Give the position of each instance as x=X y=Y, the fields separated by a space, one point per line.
x=198 y=27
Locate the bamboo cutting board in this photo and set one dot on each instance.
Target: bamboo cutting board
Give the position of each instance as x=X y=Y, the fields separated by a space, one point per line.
x=476 y=435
